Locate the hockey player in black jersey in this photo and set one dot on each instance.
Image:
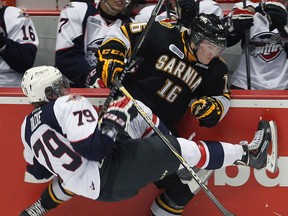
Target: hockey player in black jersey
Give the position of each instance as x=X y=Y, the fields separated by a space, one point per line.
x=177 y=66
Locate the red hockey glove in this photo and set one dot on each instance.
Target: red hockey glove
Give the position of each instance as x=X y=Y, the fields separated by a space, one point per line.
x=207 y=111
x=111 y=60
x=119 y=115
x=94 y=81
x=240 y=19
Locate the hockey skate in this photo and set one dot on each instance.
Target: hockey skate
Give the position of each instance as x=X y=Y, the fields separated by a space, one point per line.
x=36 y=209
x=256 y=153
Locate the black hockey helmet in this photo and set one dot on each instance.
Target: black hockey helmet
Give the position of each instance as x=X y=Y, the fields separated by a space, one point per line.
x=207 y=27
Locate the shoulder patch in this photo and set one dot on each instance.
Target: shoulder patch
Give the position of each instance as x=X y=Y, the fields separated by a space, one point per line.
x=74 y=98
x=23 y=14
x=166 y=24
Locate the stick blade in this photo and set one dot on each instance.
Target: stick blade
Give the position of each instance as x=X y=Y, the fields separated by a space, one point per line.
x=272 y=157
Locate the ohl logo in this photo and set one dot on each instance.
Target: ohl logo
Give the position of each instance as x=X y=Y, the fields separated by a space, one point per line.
x=267 y=46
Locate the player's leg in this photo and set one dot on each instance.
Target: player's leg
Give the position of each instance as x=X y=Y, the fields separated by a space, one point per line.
x=139 y=128
x=51 y=197
x=136 y=163
x=177 y=195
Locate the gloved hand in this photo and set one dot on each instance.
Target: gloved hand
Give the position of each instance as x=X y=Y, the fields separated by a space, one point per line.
x=240 y=20
x=94 y=81
x=186 y=11
x=276 y=14
x=111 y=60
x=119 y=115
x=207 y=111
x=2 y=38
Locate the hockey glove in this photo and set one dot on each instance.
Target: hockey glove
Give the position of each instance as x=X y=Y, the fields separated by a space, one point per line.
x=240 y=20
x=207 y=111
x=119 y=115
x=276 y=14
x=2 y=38
x=94 y=81
x=111 y=60
x=186 y=11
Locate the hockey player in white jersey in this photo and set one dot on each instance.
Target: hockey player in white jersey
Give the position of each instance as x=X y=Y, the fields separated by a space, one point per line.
x=185 y=9
x=82 y=25
x=62 y=139
x=268 y=44
x=18 y=45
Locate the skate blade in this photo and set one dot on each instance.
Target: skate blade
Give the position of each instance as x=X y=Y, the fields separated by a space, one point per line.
x=272 y=157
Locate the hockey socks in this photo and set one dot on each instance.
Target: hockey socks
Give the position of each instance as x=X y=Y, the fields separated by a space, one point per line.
x=164 y=206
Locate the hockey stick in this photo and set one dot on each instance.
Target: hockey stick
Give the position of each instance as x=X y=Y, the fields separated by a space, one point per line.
x=246 y=50
x=132 y=57
x=272 y=158
x=167 y=6
x=173 y=150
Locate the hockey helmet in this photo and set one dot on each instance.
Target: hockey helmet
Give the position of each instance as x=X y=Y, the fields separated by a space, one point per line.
x=208 y=27
x=38 y=83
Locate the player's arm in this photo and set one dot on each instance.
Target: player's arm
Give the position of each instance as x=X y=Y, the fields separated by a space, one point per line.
x=237 y=22
x=115 y=48
x=35 y=172
x=211 y=108
x=20 y=40
x=70 y=55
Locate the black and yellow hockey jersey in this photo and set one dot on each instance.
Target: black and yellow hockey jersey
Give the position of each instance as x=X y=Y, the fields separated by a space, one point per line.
x=170 y=76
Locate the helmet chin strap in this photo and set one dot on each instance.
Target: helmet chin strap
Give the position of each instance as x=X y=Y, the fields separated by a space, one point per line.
x=114 y=12
x=193 y=50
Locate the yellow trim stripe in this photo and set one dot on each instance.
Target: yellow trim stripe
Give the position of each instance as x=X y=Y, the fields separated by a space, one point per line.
x=52 y=195
x=176 y=211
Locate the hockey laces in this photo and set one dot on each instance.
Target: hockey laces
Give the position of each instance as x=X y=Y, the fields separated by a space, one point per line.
x=36 y=209
x=255 y=143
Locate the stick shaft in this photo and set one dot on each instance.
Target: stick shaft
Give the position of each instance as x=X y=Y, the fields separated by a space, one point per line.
x=133 y=55
x=173 y=150
x=246 y=50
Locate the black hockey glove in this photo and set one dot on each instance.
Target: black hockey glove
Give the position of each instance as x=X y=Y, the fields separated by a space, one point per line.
x=239 y=20
x=94 y=80
x=285 y=46
x=276 y=14
x=2 y=38
x=186 y=11
x=207 y=111
x=119 y=115
x=111 y=60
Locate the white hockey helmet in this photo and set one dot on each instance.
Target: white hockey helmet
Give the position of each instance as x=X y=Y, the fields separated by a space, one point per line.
x=38 y=83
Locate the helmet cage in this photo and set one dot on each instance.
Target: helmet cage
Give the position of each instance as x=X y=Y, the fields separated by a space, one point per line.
x=58 y=88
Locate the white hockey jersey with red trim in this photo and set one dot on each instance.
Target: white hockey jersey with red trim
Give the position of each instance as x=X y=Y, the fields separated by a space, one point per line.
x=268 y=60
x=51 y=136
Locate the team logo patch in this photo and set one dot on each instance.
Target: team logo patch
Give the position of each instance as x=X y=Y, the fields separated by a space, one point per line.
x=167 y=24
x=267 y=46
x=23 y=14
x=173 y=48
x=92 y=48
x=74 y=98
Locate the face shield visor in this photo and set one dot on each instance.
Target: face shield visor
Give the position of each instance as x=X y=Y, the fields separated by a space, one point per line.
x=58 y=88
x=208 y=46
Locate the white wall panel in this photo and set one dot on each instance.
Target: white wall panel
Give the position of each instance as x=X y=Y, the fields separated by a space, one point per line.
x=41 y=4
